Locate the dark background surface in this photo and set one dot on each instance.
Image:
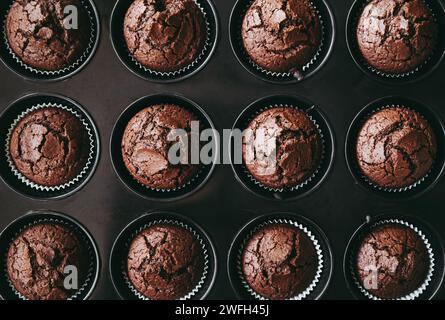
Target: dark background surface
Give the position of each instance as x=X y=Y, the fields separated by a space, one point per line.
x=105 y=87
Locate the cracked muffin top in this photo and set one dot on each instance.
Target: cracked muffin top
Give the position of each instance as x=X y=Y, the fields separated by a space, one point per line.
x=165 y=262
x=396 y=36
x=392 y=261
x=37 y=259
x=396 y=147
x=39 y=35
x=145 y=146
x=279 y=261
x=49 y=146
x=164 y=35
x=281 y=35
x=282 y=147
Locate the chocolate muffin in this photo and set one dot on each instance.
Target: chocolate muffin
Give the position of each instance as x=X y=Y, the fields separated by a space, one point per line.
x=396 y=36
x=164 y=35
x=282 y=147
x=396 y=148
x=37 y=259
x=40 y=36
x=281 y=35
x=392 y=261
x=165 y=262
x=145 y=147
x=49 y=146
x=279 y=261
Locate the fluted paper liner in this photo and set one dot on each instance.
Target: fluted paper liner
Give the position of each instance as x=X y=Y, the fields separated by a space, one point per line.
x=205 y=251
x=320 y=258
x=66 y=70
x=61 y=187
x=415 y=294
x=189 y=182
x=81 y=237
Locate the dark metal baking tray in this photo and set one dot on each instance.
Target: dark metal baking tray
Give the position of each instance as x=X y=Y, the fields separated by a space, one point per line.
x=223 y=206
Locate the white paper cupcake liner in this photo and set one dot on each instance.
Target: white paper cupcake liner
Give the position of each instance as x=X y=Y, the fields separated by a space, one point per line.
x=380 y=72
x=61 y=187
x=320 y=257
x=415 y=294
x=287 y=74
x=189 y=182
x=205 y=252
x=316 y=171
x=198 y=60
x=89 y=277
x=65 y=70
x=386 y=189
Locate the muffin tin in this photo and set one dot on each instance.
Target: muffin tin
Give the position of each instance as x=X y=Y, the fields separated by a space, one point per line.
x=338 y=204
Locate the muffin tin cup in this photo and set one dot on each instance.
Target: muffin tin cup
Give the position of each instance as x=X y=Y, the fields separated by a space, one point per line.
x=320 y=258
x=315 y=179
x=437 y=9
x=326 y=17
x=299 y=75
x=387 y=189
x=324 y=269
x=17 y=181
x=119 y=253
x=15 y=64
x=192 y=185
x=420 y=186
x=433 y=281
x=198 y=286
x=28 y=182
x=120 y=47
x=32 y=218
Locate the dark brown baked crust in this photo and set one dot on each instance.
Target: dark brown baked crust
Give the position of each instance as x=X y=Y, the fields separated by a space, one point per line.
x=49 y=146
x=164 y=35
x=400 y=258
x=298 y=147
x=37 y=35
x=396 y=36
x=396 y=147
x=165 y=262
x=279 y=261
x=281 y=35
x=145 y=146
x=37 y=259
